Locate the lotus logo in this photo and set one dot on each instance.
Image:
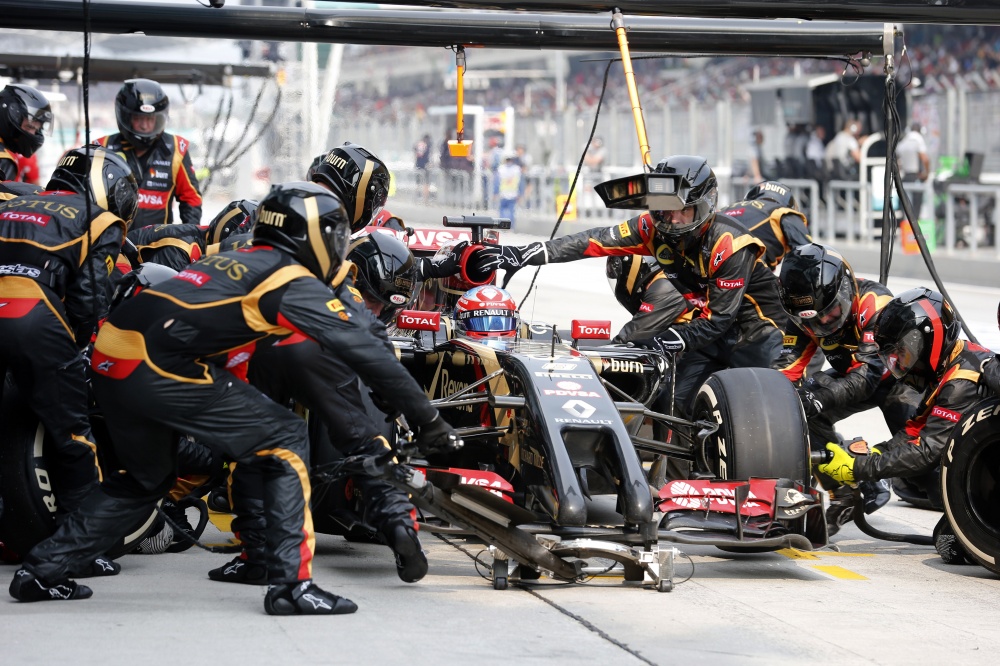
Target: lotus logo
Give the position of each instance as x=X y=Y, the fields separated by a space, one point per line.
x=579 y=409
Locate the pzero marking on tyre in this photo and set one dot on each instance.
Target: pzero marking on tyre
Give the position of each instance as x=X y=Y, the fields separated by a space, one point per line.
x=141 y=532
x=719 y=439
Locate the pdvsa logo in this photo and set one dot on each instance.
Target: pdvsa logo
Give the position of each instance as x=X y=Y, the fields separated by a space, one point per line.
x=150 y=200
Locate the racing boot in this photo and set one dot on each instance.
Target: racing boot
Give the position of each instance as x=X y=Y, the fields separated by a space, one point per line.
x=69 y=501
x=401 y=537
x=241 y=569
x=99 y=566
x=947 y=544
x=305 y=598
x=28 y=587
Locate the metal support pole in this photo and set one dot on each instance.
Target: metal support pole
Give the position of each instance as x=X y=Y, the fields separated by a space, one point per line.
x=618 y=23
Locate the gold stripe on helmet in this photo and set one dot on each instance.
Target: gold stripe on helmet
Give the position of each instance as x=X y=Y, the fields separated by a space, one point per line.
x=316 y=236
x=222 y=224
x=97 y=179
x=359 y=194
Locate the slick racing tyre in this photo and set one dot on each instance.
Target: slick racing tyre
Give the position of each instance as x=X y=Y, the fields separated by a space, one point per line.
x=970 y=483
x=762 y=428
x=29 y=501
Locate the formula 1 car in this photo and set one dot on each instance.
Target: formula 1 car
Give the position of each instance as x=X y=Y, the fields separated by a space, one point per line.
x=555 y=438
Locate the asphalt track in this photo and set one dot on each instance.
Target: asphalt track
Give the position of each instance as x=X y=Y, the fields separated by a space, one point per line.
x=873 y=602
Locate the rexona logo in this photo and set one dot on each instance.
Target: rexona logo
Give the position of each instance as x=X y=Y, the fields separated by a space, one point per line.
x=194 y=277
x=614 y=365
x=946 y=414
x=414 y=320
x=729 y=284
x=584 y=329
x=150 y=199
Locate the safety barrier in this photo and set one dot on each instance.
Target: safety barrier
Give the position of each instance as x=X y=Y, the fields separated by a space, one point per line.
x=972 y=237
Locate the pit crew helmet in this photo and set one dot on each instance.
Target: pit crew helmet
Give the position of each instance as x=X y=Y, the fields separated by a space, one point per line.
x=699 y=189
x=143 y=277
x=104 y=174
x=628 y=276
x=238 y=217
x=772 y=190
x=916 y=332
x=17 y=103
x=314 y=164
x=141 y=98
x=487 y=312
x=359 y=178
x=308 y=222
x=386 y=273
x=818 y=289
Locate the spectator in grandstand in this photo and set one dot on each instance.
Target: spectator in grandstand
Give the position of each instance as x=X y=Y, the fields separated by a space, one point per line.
x=843 y=153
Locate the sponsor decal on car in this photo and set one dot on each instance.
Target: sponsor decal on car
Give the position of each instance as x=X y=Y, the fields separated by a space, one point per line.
x=579 y=408
x=590 y=329
x=559 y=366
x=615 y=365
x=717 y=496
x=577 y=394
x=433 y=239
x=564 y=375
x=569 y=386
x=418 y=321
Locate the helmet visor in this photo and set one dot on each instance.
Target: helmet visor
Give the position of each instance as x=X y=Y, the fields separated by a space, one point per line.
x=145 y=125
x=829 y=320
x=901 y=357
x=490 y=324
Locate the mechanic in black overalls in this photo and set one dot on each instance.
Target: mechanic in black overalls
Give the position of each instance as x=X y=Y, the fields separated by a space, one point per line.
x=161 y=162
x=710 y=258
x=24 y=116
x=917 y=338
x=771 y=213
x=55 y=262
x=832 y=310
x=160 y=357
x=644 y=290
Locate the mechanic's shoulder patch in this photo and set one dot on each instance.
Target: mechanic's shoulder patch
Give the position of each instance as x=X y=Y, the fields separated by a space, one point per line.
x=790 y=340
x=336 y=306
x=623 y=230
x=356 y=294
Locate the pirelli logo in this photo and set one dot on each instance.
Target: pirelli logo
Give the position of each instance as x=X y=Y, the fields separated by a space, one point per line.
x=110 y=263
x=790 y=340
x=623 y=230
x=271 y=218
x=335 y=305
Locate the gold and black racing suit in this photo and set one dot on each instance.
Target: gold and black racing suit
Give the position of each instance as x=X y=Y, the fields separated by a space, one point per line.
x=159 y=367
x=164 y=173
x=777 y=227
x=54 y=268
x=739 y=319
x=173 y=245
x=914 y=451
x=857 y=380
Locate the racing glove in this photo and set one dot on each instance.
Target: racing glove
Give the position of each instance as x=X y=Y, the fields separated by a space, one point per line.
x=840 y=467
x=437 y=437
x=510 y=258
x=812 y=405
x=446 y=265
x=668 y=342
x=989 y=376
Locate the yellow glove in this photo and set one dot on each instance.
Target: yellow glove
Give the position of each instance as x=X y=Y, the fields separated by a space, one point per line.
x=841 y=465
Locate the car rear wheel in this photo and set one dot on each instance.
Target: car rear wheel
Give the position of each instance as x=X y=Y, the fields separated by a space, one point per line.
x=970 y=483
x=762 y=428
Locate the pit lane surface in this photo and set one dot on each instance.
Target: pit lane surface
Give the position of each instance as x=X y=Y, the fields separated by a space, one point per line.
x=873 y=602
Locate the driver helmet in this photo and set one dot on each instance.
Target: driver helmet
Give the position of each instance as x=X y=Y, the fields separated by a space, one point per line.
x=916 y=332
x=699 y=189
x=487 y=312
x=386 y=273
x=818 y=289
x=141 y=109
x=772 y=190
x=629 y=276
x=20 y=103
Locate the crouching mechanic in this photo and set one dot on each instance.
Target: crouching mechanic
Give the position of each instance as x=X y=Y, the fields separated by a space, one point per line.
x=829 y=308
x=917 y=338
x=299 y=369
x=771 y=213
x=160 y=360
x=57 y=248
x=644 y=290
x=710 y=258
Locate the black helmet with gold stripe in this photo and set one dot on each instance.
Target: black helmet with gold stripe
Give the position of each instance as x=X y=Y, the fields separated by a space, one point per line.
x=308 y=222
x=101 y=173
x=238 y=217
x=359 y=178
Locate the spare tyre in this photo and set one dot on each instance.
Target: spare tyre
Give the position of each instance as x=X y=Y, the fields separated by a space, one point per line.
x=970 y=483
x=762 y=428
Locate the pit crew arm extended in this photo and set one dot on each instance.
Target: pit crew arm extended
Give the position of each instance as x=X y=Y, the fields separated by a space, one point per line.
x=917 y=448
x=661 y=306
x=347 y=329
x=633 y=236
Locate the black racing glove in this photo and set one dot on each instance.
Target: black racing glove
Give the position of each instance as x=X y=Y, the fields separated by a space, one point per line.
x=812 y=405
x=444 y=264
x=669 y=342
x=510 y=258
x=437 y=437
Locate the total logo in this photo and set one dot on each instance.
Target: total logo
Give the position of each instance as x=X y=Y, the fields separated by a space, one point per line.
x=729 y=284
x=579 y=409
x=419 y=321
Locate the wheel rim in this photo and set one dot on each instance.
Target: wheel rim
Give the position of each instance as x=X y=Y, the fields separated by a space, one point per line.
x=982 y=488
